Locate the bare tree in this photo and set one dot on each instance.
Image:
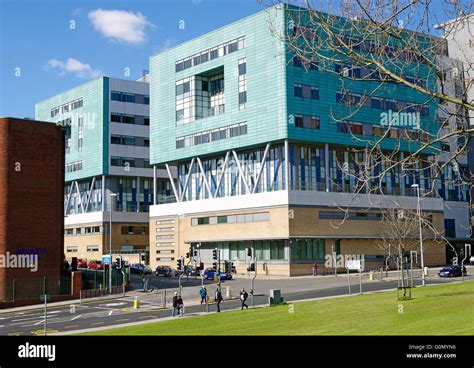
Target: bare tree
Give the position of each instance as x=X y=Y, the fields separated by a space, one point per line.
x=388 y=44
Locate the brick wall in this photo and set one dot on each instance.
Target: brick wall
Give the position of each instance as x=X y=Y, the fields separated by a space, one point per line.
x=31 y=195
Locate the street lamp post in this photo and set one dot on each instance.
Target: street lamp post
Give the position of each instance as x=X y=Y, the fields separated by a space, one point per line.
x=110 y=241
x=421 y=235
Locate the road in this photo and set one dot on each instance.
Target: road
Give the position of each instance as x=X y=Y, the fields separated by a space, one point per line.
x=118 y=311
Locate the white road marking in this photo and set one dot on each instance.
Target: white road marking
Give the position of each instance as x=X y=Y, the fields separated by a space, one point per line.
x=110 y=313
x=111 y=305
x=24 y=319
x=37 y=323
x=76 y=317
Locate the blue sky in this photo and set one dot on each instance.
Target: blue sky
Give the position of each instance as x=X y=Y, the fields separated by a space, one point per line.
x=42 y=53
x=36 y=37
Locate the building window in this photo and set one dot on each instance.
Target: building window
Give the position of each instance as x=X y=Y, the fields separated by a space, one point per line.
x=164 y=222
x=242 y=83
x=208 y=136
x=306 y=121
x=73 y=166
x=298 y=90
x=308 y=249
x=67 y=107
x=80 y=133
x=249 y=217
x=305 y=91
x=71 y=249
x=164 y=229
x=210 y=54
x=92 y=248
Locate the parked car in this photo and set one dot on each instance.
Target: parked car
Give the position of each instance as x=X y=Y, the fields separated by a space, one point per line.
x=451 y=271
x=471 y=261
x=95 y=265
x=139 y=269
x=81 y=263
x=163 y=271
x=209 y=274
x=191 y=271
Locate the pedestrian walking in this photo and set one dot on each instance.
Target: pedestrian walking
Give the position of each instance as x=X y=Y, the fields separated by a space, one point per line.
x=180 y=304
x=315 y=269
x=243 y=298
x=175 y=304
x=218 y=298
x=203 y=294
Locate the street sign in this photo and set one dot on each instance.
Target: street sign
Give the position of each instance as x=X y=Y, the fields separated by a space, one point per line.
x=354 y=264
x=106 y=259
x=42 y=297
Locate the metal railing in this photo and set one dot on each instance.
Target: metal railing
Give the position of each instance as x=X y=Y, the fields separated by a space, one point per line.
x=33 y=288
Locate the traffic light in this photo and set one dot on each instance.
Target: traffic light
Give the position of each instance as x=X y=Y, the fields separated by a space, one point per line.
x=179 y=264
x=119 y=262
x=74 y=264
x=187 y=255
x=143 y=258
x=195 y=253
x=201 y=266
x=228 y=267
x=249 y=252
x=251 y=267
x=214 y=254
x=214 y=266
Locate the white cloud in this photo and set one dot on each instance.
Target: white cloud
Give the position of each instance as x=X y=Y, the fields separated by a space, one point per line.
x=75 y=67
x=121 y=25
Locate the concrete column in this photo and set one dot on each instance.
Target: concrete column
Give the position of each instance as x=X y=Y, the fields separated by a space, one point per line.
x=138 y=194
x=402 y=179
x=326 y=165
x=154 y=185
x=103 y=193
x=288 y=250
x=287 y=165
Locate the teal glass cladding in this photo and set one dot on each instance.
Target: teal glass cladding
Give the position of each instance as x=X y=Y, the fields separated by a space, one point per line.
x=313 y=92
x=89 y=159
x=105 y=132
x=264 y=111
x=239 y=88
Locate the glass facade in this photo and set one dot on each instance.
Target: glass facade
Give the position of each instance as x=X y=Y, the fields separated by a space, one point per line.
x=200 y=96
x=233 y=182
x=347 y=172
x=308 y=249
x=129 y=198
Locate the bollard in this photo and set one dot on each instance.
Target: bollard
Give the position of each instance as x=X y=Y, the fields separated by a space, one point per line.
x=371 y=275
x=136 y=302
x=227 y=292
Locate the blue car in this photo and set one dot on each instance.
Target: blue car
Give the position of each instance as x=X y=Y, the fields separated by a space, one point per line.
x=451 y=271
x=209 y=274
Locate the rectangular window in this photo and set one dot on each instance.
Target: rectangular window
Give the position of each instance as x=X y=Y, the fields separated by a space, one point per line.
x=116 y=118
x=92 y=248
x=242 y=98
x=80 y=133
x=298 y=90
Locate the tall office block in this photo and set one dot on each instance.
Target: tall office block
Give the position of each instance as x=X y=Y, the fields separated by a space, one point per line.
x=261 y=162
x=106 y=123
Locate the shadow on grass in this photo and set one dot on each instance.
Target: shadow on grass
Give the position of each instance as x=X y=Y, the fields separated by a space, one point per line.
x=454 y=293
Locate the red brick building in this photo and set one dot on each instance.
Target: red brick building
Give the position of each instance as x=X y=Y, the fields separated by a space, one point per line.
x=31 y=203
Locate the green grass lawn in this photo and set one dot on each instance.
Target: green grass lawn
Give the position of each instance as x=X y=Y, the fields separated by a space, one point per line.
x=434 y=310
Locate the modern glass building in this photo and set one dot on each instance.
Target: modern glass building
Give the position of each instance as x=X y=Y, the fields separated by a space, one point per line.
x=108 y=173
x=262 y=161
